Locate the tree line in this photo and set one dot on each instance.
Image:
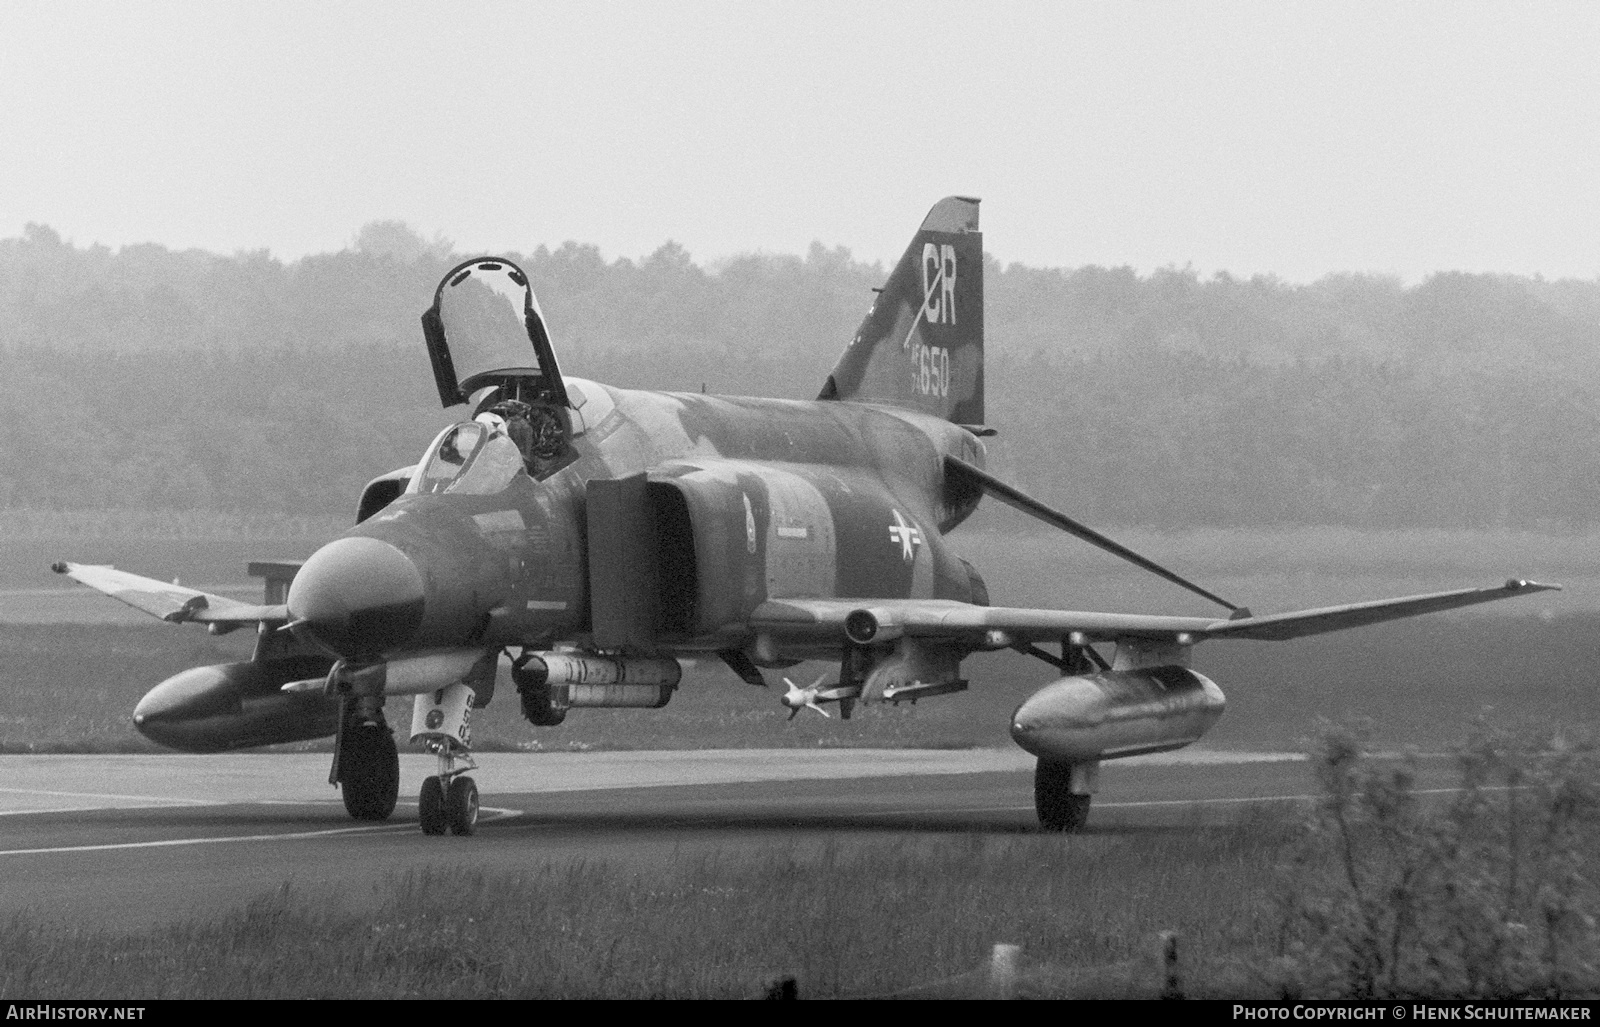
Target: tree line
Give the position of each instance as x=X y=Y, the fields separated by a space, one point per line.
x=150 y=378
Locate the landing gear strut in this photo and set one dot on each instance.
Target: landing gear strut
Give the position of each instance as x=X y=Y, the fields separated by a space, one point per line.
x=441 y=721
x=1062 y=792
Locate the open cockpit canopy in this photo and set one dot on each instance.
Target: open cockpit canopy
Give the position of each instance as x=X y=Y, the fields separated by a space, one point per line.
x=485 y=329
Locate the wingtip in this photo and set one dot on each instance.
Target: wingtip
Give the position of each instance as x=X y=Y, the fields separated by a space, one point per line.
x=60 y=566
x=1520 y=584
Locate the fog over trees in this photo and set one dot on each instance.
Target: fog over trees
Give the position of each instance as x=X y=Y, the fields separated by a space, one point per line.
x=149 y=378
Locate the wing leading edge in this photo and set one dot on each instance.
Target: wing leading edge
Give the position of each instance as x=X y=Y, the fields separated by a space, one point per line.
x=170 y=602
x=885 y=619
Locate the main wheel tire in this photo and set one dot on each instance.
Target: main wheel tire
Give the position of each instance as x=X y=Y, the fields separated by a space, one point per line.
x=461 y=805
x=369 y=772
x=1058 y=808
x=430 y=807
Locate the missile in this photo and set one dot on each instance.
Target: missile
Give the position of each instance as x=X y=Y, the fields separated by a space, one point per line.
x=921 y=690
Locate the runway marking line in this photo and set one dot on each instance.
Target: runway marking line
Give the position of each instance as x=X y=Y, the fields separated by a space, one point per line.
x=502 y=813
x=1132 y=803
x=166 y=800
x=499 y=814
x=1275 y=798
x=89 y=809
x=78 y=809
x=1127 y=804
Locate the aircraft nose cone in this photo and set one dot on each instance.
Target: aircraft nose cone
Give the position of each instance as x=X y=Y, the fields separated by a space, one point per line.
x=357 y=597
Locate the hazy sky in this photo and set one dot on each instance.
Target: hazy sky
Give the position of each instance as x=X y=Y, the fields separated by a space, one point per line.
x=1292 y=138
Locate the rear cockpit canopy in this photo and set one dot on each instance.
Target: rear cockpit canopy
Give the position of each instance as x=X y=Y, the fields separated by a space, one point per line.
x=489 y=347
x=485 y=329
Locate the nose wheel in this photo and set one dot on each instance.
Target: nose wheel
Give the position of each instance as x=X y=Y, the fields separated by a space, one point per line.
x=449 y=799
x=441 y=721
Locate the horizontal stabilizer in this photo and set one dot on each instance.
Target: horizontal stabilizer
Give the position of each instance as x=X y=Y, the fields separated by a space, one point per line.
x=1019 y=500
x=166 y=600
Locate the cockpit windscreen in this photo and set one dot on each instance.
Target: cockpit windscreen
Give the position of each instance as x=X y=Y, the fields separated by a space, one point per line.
x=470 y=459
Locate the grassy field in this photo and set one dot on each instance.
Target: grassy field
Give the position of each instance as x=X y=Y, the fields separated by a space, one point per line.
x=1374 y=892
x=915 y=917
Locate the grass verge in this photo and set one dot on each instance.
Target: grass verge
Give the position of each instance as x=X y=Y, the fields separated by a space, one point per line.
x=910 y=917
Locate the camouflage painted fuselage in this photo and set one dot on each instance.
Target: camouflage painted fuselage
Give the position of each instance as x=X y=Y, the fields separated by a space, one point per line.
x=781 y=499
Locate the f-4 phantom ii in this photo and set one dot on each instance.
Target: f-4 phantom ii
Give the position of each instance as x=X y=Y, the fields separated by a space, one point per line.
x=597 y=536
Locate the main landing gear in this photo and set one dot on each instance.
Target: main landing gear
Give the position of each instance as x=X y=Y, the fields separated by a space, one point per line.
x=442 y=722
x=1062 y=792
x=366 y=768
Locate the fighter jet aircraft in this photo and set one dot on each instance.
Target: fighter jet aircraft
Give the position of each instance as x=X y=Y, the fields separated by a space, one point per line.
x=598 y=535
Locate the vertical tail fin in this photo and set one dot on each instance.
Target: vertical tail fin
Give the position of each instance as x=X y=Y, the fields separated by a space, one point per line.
x=921 y=345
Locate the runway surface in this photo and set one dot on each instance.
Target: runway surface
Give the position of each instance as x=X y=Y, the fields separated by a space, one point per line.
x=132 y=842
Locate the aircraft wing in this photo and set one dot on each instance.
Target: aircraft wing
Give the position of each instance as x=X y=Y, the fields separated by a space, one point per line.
x=1278 y=626
x=168 y=601
x=865 y=620
x=884 y=619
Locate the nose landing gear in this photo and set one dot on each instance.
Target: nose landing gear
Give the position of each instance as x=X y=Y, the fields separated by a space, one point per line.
x=442 y=722
x=452 y=807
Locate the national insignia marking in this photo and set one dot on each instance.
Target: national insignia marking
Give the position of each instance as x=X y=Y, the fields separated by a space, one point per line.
x=907 y=536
